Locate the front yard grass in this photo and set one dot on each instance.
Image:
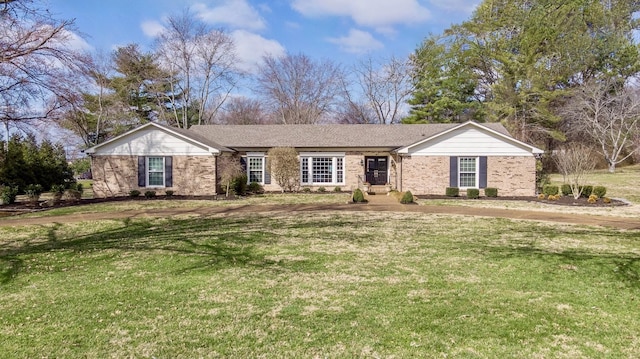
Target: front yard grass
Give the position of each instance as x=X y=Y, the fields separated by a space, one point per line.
x=322 y=284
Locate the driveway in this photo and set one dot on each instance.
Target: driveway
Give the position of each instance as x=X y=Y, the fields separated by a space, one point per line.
x=376 y=204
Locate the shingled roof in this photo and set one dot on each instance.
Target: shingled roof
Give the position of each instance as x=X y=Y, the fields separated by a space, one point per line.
x=324 y=136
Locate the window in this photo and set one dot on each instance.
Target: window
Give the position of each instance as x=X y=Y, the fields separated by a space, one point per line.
x=328 y=169
x=468 y=172
x=255 y=169
x=155 y=172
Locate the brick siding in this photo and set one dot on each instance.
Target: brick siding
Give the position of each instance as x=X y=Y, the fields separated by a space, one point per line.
x=115 y=176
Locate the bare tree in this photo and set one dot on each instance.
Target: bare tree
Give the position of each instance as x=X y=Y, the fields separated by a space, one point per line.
x=230 y=169
x=384 y=88
x=297 y=89
x=575 y=161
x=242 y=111
x=202 y=62
x=40 y=72
x=284 y=167
x=608 y=113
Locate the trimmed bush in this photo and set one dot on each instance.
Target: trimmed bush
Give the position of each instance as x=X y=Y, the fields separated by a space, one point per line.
x=491 y=192
x=150 y=194
x=71 y=195
x=168 y=193
x=358 y=196
x=566 y=189
x=306 y=190
x=550 y=190
x=606 y=200
x=407 y=198
x=586 y=191
x=255 y=187
x=134 y=193
x=337 y=189
x=599 y=191
x=8 y=194
x=473 y=193
x=239 y=185
x=322 y=189
x=33 y=192
x=79 y=187
x=452 y=191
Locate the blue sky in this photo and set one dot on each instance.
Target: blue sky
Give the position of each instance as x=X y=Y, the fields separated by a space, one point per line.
x=341 y=30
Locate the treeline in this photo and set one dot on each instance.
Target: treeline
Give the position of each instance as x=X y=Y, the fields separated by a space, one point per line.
x=24 y=162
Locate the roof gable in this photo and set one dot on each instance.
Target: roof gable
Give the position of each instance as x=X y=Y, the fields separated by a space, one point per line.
x=155 y=139
x=470 y=139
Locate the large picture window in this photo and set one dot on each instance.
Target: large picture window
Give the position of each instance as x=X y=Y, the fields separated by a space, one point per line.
x=155 y=172
x=468 y=172
x=322 y=169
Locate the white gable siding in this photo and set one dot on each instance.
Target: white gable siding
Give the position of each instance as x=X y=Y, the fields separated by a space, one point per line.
x=150 y=142
x=469 y=142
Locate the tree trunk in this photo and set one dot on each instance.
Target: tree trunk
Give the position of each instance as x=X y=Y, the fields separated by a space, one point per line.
x=612 y=167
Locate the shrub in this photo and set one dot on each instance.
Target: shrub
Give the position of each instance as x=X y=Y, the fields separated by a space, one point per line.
x=322 y=189
x=8 y=194
x=33 y=192
x=168 y=193
x=550 y=190
x=566 y=190
x=71 y=195
x=586 y=191
x=541 y=196
x=606 y=200
x=306 y=190
x=491 y=192
x=553 y=197
x=134 y=193
x=284 y=166
x=452 y=191
x=407 y=198
x=239 y=185
x=150 y=194
x=599 y=191
x=57 y=189
x=358 y=196
x=337 y=189
x=79 y=187
x=592 y=199
x=255 y=187
x=473 y=193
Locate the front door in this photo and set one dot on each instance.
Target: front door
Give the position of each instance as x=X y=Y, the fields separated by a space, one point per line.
x=376 y=170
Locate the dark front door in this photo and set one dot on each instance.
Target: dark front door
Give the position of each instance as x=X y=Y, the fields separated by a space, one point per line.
x=376 y=170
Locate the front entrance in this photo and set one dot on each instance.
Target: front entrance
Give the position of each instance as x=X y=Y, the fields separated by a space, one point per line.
x=376 y=170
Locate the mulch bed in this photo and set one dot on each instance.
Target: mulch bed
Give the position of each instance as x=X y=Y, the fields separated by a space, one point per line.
x=562 y=201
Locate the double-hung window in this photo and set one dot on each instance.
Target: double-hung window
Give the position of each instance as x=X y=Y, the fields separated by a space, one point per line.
x=255 y=169
x=155 y=172
x=468 y=172
x=321 y=169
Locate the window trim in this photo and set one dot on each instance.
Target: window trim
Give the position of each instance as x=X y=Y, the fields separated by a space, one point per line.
x=148 y=172
x=262 y=168
x=308 y=157
x=476 y=172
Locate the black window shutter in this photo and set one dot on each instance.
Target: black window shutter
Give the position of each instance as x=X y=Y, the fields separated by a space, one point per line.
x=168 y=171
x=142 y=171
x=243 y=163
x=267 y=174
x=483 y=171
x=453 y=171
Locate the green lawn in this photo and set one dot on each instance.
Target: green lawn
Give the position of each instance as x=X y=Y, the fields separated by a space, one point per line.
x=319 y=285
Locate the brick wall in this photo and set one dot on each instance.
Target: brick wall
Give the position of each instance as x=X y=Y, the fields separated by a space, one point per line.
x=513 y=176
x=117 y=175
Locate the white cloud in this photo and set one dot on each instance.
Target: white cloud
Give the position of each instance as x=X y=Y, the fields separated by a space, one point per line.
x=152 y=28
x=357 y=42
x=370 y=13
x=76 y=42
x=251 y=47
x=464 y=6
x=234 y=13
